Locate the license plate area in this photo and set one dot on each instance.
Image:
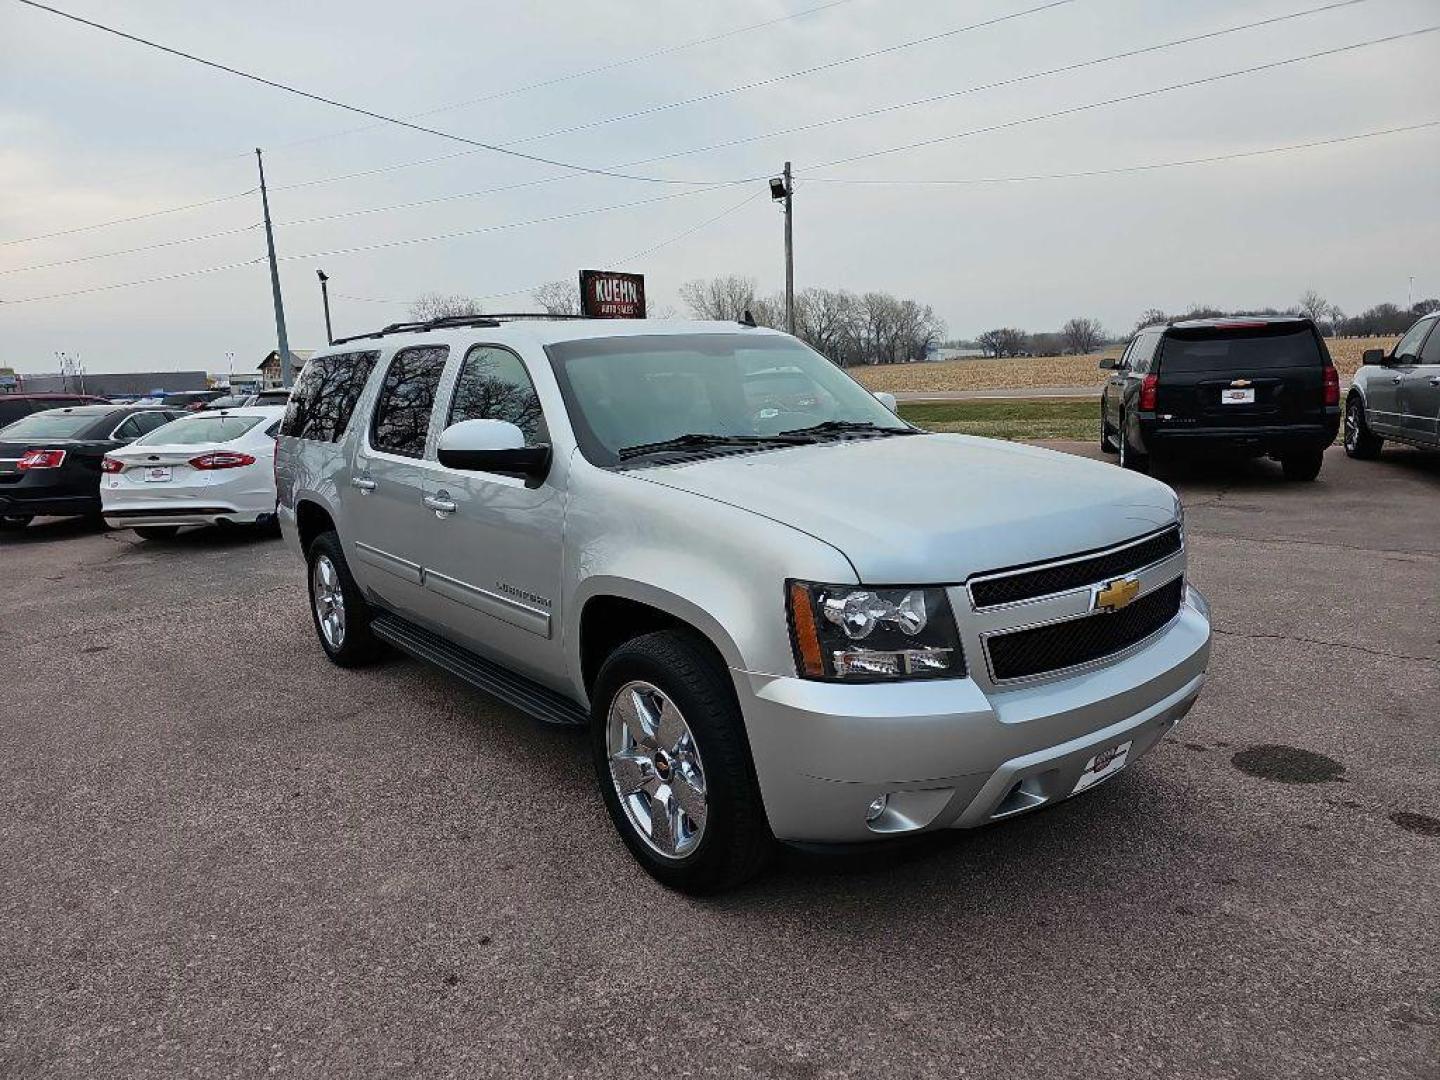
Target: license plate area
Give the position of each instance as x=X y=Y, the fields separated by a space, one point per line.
x=1102 y=766
x=157 y=474
x=1231 y=395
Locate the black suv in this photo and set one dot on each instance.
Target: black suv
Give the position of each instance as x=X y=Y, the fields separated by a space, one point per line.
x=1235 y=386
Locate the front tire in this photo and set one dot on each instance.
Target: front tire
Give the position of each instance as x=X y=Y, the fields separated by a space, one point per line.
x=1303 y=466
x=1360 y=441
x=338 y=608
x=1107 y=437
x=674 y=765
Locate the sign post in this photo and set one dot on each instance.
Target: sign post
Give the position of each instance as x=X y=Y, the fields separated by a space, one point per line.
x=609 y=294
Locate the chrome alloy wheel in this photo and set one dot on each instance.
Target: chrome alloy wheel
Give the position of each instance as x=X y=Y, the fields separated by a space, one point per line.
x=656 y=768
x=329 y=600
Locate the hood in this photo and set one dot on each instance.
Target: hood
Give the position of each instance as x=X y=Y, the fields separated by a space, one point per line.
x=934 y=508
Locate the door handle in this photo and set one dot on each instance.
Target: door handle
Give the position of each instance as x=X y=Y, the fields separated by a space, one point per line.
x=1397 y=380
x=1435 y=380
x=441 y=503
x=364 y=483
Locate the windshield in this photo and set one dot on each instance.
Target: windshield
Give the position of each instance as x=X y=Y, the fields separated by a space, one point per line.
x=1283 y=345
x=193 y=430
x=48 y=425
x=634 y=391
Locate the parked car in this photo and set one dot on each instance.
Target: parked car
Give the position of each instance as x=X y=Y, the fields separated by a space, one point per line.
x=787 y=615
x=228 y=401
x=1396 y=395
x=14 y=406
x=191 y=400
x=50 y=461
x=1233 y=386
x=215 y=467
x=277 y=396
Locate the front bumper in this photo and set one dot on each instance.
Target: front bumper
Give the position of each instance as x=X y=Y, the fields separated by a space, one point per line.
x=946 y=754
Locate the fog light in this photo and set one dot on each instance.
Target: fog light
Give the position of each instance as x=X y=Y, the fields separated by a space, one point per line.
x=876 y=808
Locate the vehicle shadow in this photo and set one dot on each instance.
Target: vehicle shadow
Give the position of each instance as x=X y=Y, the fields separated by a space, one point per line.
x=51 y=530
x=208 y=537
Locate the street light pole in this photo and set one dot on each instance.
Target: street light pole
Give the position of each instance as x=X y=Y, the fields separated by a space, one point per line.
x=284 y=339
x=325 y=299
x=782 y=190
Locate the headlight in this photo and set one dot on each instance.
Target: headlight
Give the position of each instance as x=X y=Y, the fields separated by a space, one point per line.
x=857 y=634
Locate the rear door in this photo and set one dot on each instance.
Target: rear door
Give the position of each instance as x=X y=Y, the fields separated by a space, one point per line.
x=1242 y=374
x=386 y=514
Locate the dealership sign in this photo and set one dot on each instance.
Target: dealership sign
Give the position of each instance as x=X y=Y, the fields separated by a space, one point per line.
x=608 y=294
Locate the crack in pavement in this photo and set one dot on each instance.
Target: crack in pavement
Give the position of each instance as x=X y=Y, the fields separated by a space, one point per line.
x=1318 y=641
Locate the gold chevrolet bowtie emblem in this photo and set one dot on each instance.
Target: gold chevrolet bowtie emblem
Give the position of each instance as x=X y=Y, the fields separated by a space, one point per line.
x=1114 y=595
x=1239 y=382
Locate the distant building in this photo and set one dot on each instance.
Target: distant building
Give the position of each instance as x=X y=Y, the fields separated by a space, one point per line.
x=945 y=352
x=270 y=367
x=120 y=384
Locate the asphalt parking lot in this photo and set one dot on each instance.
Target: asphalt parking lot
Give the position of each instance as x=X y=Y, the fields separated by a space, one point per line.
x=223 y=857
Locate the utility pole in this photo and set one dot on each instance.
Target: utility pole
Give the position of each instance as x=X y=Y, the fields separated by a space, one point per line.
x=782 y=190
x=284 y=339
x=325 y=299
x=789 y=252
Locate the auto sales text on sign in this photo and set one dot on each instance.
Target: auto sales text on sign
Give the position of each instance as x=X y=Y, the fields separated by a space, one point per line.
x=608 y=294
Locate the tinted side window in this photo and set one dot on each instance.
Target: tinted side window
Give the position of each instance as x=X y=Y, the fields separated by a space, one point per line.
x=494 y=385
x=149 y=421
x=1430 y=353
x=406 y=400
x=11 y=411
x=325 y=396
x=130 y=429
x=1142 y=352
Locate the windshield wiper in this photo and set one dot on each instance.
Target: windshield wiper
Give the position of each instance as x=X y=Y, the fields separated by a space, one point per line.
x=706 y=441
x=849 y=425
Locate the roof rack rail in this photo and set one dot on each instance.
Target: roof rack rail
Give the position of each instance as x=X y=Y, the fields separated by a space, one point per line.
x=448 y=322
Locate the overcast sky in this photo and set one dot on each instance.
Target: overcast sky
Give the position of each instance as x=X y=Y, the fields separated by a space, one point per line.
x=94 y=128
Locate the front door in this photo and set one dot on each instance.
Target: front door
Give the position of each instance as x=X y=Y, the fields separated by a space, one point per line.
x=386 y=508
x=492 y=545
x=1384 y=411
x=1420 y=391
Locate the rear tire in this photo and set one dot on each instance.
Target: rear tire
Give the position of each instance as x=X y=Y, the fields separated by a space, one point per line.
x=1360 y=441
x=676 y=691
x=1303 y=466
x=157 y=532
x=337 y=606
x=1131 y=458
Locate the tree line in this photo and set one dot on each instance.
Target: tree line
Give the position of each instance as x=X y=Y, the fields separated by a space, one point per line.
x=850 y=328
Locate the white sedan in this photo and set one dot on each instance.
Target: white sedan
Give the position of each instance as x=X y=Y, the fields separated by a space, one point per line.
x=204 y=469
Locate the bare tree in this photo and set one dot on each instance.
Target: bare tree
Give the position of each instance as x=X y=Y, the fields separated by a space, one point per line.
x=1006 y=341
x=439 y=306
x=558 y=297
x=1150 y=317
x=724 y=298
x=1082 y=335
x=1314 y=305
x=1336 y=314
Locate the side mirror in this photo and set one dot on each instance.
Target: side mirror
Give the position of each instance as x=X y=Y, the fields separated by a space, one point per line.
x=888 y=400
x=1109 y=363
x=495 y=446
x=1373 y=356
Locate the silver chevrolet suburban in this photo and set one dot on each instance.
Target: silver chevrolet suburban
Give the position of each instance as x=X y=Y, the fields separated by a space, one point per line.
x=783 y=611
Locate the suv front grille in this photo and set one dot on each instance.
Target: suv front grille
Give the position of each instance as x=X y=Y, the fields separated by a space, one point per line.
x=1059 y=577
x=1056 y=646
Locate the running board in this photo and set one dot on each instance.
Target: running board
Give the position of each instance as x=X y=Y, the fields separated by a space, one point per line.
x=499 y=682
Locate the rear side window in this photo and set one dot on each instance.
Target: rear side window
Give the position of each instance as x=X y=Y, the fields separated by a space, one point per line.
x=494 y=385
x=140 y=424
x=325 y=395
x=1250 y=349
x=1143 y=352
x=406 y=400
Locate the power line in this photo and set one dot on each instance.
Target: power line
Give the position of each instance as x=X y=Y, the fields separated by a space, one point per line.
x=1151 y=166
x=129 y=251
x=587 y=72
x=1272 y=65
x=814 y=69
x=334 y=103
x=131 y=284
x=126 y=220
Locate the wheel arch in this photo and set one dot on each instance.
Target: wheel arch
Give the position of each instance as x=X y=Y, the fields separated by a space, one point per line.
x=311 y=519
